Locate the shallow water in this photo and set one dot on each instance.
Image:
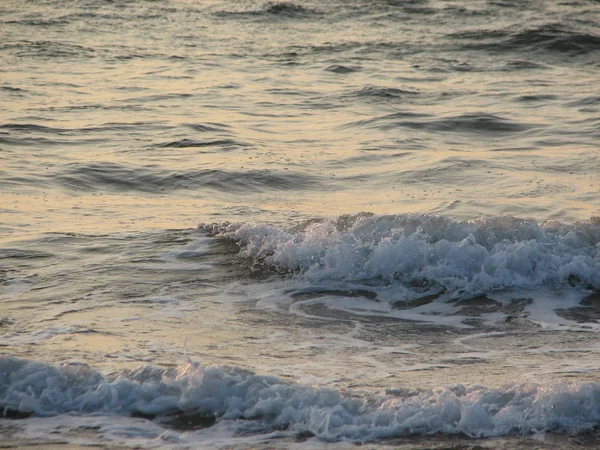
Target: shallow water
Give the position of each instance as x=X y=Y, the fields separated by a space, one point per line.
x=398 y=205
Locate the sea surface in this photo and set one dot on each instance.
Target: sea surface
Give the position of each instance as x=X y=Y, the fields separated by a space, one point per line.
x=304 y=224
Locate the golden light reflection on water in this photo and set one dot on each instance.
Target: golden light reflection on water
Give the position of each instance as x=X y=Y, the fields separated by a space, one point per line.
x=57 y=211
x=269 y=90
x=108 y=124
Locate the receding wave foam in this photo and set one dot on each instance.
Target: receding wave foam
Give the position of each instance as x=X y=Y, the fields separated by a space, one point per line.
x=265 y=403
x=459 y=257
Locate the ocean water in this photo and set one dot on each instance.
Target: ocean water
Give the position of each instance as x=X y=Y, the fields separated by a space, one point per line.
x=300 y=224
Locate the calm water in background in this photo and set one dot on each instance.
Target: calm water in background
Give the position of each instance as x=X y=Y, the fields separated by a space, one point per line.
x=398 y=204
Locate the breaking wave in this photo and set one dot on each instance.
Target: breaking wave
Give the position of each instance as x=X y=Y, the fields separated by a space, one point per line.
x=460 y=257
x=216 y=394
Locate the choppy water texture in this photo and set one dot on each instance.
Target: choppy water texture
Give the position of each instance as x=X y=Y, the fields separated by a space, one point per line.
x=398 y=206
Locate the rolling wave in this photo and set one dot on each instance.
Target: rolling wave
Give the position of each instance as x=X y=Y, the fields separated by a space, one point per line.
x=464 y=123
x=200 y=397
x=553 y=38
x=423 y=252
x=272 y=9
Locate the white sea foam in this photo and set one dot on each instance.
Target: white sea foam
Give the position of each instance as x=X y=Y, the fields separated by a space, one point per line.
x=264 y=403
x=461 y=257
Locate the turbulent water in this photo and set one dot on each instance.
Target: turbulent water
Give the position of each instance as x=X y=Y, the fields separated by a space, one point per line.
x=300 y=224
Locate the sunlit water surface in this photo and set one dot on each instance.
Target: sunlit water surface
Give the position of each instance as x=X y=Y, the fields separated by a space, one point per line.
x=398 y=205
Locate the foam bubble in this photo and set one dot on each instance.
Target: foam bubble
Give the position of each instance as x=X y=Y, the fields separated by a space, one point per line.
x=468 y=257
x=264 y=403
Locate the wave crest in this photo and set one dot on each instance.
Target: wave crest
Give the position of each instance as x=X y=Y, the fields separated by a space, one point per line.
x=37 y=388
x=462 y=257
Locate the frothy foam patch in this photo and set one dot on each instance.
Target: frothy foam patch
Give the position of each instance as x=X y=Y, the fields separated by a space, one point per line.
x=425 y=268
x=462 y=258
x=265 y=403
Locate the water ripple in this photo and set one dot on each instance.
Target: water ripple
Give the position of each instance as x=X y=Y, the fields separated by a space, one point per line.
x=112 y=177
x=464 y=123
x=187 y=143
